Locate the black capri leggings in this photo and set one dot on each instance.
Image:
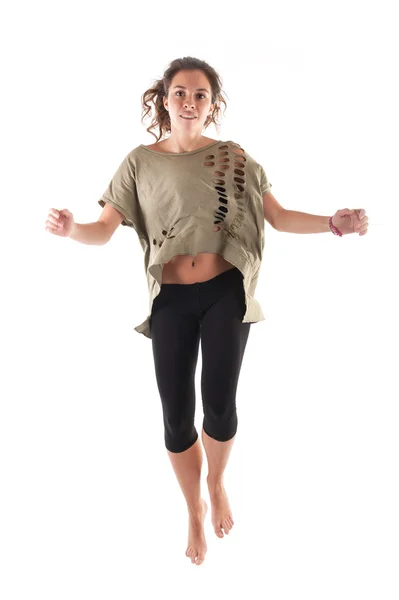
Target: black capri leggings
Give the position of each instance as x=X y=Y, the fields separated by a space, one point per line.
x=182 y=314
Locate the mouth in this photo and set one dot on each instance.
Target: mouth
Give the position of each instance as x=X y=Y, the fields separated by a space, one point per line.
x=188 y=118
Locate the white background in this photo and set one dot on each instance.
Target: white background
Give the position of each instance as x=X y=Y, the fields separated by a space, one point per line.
x=89 y=504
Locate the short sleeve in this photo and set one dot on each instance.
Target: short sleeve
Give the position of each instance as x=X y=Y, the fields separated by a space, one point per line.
x=265 y=184
x=121 y=193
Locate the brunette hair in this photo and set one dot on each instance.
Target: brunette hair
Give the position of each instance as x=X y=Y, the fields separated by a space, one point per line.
x=160 y=89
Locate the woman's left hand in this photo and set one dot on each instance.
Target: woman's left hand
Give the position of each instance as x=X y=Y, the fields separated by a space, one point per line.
x=351 y=221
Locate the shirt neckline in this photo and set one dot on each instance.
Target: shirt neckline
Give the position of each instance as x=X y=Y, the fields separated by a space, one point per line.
x=183 y=153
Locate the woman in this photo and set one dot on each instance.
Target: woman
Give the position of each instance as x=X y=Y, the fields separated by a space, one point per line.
x=198 y=206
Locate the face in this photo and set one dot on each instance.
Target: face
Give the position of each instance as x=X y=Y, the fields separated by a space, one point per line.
x=184 y=97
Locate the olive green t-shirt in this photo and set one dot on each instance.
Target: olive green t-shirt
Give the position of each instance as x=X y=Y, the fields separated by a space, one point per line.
x=175 y=200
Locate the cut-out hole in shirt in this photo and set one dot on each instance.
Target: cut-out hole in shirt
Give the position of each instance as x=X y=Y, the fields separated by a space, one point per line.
x=164 y=233
x=221 y=160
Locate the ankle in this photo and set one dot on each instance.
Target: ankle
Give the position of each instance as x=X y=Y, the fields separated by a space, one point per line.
x=195 y=511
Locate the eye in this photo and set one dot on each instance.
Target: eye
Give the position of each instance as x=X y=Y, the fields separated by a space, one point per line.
x=181 y=92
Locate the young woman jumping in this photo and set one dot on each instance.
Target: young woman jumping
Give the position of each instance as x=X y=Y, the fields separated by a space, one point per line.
x=198 y=206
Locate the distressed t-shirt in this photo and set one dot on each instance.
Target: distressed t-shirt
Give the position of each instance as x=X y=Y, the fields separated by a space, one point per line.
x=174 y=201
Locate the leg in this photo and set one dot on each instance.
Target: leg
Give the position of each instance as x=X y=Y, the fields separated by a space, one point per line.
x=175 y=340
x=187 y=467
x=223 y=341
x=217 y=455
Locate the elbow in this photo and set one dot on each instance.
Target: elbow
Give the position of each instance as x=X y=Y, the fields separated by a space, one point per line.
x=278 y=220
x=275 y=226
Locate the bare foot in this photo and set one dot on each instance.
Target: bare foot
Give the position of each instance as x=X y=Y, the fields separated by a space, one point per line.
x=196 y=548
x=221 y=512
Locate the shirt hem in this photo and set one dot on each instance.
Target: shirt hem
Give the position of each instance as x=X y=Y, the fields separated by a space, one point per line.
x=253 y=312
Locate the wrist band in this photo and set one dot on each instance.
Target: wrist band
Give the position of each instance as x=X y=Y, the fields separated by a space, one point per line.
x=333 y=228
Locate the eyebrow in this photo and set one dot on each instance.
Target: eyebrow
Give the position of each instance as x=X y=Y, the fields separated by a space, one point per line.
x=184 y=88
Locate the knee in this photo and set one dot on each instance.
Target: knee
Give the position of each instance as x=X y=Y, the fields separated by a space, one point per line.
x=221 y=427
x=180 y=434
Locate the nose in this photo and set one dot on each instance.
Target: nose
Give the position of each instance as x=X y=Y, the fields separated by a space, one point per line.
x=187 y=103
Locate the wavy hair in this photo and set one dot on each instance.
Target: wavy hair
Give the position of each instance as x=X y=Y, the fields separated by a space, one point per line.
x=160 y=89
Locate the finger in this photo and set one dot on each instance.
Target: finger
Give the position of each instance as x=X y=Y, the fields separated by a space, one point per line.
x=360 y=212
x=55 y=221
x=361 y=222
x=361 y=227
x=51 y=229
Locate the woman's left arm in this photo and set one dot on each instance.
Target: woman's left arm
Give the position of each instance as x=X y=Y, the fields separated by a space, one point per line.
x=292 y=221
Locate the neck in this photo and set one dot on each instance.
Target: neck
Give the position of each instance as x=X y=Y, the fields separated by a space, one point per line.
x=176 y=143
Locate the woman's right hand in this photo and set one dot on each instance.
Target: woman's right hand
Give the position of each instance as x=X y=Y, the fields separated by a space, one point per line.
x=60 y=222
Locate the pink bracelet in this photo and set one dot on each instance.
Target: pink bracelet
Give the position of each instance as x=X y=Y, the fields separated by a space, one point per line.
x=333 y=228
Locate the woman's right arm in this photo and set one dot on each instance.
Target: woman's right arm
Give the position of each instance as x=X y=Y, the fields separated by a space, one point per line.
x=90 y=233
x=61 y=223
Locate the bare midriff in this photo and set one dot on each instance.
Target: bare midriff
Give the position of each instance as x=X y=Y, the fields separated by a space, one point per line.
x=190 y=268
